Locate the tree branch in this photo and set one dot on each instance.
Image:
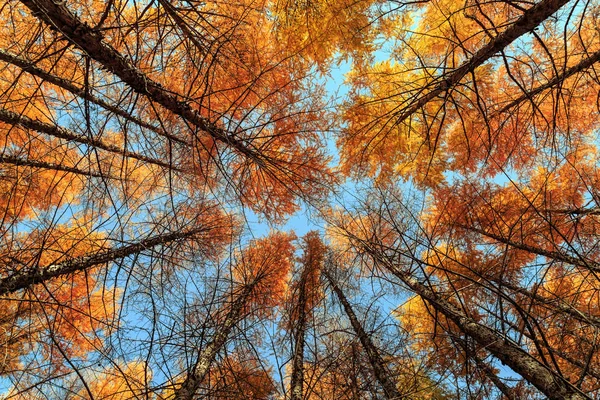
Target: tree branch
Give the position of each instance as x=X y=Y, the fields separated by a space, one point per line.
x=53 y=130
x=526 y=23
x=27 y=277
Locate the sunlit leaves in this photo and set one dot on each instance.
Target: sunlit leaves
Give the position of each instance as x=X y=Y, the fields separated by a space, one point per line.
x=119 y=382
x=146 y=134
x=317 y=29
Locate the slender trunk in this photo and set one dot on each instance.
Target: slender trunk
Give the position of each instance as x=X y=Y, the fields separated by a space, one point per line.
x=536 y=373
x=381 y=373
x=27 y=277
x=59 y=17
x=553 y=304
x=579 y=67
x=182 y=25
x=525 y=24
x=554 y=351
x=62 y=83
x=298 y=332
x=58 y=132
x=554 y=255
x=196 y=376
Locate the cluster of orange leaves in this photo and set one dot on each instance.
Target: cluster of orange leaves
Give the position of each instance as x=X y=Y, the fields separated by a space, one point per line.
x=64 y=318
x=265 y=266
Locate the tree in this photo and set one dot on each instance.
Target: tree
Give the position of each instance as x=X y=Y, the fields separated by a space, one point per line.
x=457 y=251
x=261 y=274
x=375 y=359
x=304 y=293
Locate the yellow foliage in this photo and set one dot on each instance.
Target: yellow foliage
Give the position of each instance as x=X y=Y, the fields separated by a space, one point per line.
x=119 y=382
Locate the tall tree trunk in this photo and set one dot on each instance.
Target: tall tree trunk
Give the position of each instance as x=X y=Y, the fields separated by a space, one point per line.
x=61 y=133
x=525 y=24
x=196 y=376
x=556 y=304
x=536 y=373
x=25 y=162
x=298 y=333
x=59 y=17
x=489 y=373
x=554 y=255
x=27 y=277
x=65 y=84
x=375 y=359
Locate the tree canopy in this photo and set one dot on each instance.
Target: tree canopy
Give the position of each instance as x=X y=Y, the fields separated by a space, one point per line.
x=446 y=199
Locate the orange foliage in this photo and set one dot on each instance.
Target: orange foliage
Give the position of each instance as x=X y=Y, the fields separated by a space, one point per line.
x=566 y=335
x=312 y=259
x=317 y=29
x=478 y=126
x=265 y=266
x=505 y=154
x=25 y=189
x=237 y=377
x=433 y=336
x=74 y=311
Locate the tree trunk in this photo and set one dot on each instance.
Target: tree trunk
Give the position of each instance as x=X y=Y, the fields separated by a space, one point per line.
x=536 y=373
x=61 y=133
x=298 y=332
x=489 y=373
x=525 y=24
x=196 y=376
x=59 y=17
x=28 y=277
x=62 y=83
x=375 y=359
x=24 y=162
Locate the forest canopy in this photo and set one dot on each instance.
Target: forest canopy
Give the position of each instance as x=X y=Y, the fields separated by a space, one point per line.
x=438 y=159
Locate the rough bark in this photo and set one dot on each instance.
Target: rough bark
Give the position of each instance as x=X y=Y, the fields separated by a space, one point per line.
x=26 y=277
x=536 y=373
x=59 y=17
x=299 y=330
x=24 y=162
x=381 y=373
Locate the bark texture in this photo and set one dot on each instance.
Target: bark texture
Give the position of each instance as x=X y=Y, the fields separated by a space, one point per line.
x=548 y=382
x=61 y=133
x=59 y=17
x=196 y=375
